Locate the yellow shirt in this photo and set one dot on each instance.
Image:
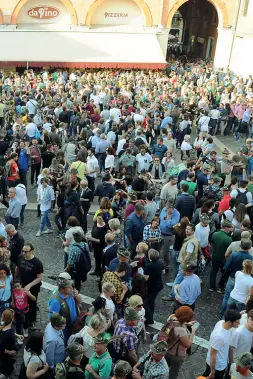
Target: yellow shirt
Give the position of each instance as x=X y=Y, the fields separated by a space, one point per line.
x=81 y=168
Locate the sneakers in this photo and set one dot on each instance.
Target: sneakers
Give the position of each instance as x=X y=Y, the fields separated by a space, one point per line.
x=38 y=234
x=211 y=289
x=48 y=231
x=166 y=298
x=169 y=284
x=25 y=333
x=220 y=290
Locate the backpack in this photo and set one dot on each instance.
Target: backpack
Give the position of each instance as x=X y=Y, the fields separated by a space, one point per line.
x=211 y=194
x=167 y=334
x=188 y=129
x=83 y=266
x=241 y=197
x=106 y=216
x=62 y=369
x=8 y=166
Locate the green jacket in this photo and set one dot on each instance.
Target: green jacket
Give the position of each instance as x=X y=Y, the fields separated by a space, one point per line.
x=220 y=242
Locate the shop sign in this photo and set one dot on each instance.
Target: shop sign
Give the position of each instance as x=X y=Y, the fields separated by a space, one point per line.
x=43 y=12
x=113 y=14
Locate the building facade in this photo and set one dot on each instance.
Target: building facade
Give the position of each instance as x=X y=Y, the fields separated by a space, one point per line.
x=125 y=33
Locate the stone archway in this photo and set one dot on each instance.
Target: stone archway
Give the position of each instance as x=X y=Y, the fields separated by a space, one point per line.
x=219 y=5
x=67 y=3
x=141 y=4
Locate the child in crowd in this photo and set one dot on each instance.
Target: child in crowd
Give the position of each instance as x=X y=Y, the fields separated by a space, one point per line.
x=21 y=307
x=140 y=259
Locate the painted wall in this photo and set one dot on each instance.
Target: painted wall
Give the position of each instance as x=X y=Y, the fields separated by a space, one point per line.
x=114 y=12
x=44 y=12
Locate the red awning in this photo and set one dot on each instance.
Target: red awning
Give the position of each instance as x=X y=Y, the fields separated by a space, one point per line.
x=141 y=66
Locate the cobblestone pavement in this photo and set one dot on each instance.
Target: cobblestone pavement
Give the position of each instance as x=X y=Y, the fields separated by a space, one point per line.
x=49 y=249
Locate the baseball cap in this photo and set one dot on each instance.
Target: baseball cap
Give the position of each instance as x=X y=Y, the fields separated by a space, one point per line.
x=122 y=368
x=187 y=267
x=226 y=188
x=131 y=314
x=74 y=349
x=204 y=218
x=159 y=347
x=132 y=196
x=122 y=252
x=244 y=360
x=57 y=320
x=225 y=151
x=64 y=280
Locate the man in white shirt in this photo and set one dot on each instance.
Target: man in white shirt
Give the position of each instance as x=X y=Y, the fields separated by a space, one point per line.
x=95 y=97
x=31 y=128
x=143 y=160
x=45 y=199
x=47 y=124
x=202 y=231
x=138 y=116
x=242 y=337
x=241 y=193
x=32 y=106
x=115 y=112
x=93 y=168
x=219 y=351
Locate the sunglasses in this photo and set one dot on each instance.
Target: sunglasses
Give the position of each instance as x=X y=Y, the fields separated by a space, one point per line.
x=26 y=251
x=139 y=306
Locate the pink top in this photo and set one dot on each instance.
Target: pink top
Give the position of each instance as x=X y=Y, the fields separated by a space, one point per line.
x=20 y=300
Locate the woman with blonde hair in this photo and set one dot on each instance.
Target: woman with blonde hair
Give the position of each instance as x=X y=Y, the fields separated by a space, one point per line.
x=243 y=286
x=114 y=226
x=96 y=325
x=136 y=302
x=8 y=341
x=108 y=291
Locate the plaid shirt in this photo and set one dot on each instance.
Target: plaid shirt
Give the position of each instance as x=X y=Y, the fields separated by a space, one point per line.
x=157 y=370
x=111 y=277
x=148 y=232
x=129 y=342
x=75 y=252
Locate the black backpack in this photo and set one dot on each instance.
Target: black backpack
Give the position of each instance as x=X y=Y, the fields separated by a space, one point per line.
x=241 y=197
x=83 y=266
x=211 y=194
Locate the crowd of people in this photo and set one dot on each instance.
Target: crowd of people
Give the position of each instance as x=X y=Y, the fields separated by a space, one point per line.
x=109 y=139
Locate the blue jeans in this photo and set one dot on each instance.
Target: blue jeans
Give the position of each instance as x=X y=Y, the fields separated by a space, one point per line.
x=179 y=278
x=239 y=177
x=229 y=287
x=239 y=305
x=45 y=220
x=22 y=214
x=175 y=262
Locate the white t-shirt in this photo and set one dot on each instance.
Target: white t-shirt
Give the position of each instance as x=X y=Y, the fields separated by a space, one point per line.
x=109 y=161
x=109 y=306
x=243 y=282
x=186 y=146
x=143 y=161
x=241 y=340
x=92 y=165
x=202 y=234
x=31 y=129
x=69 y=235
x=219 y=340
x=229 y=215
x=21 y=194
